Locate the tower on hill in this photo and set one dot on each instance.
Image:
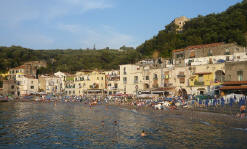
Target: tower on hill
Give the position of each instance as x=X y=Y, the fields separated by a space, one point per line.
x=180 y=21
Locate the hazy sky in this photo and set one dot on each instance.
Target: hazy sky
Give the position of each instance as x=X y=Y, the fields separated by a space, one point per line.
x=51 y=24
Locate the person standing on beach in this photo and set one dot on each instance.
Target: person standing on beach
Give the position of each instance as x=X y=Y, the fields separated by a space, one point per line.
x=242 y=111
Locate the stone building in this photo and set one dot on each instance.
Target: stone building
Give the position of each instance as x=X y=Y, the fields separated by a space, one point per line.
x=9 y=87
x=210 y=52
x=236 y=71
x=36 y=64
x=180 y=21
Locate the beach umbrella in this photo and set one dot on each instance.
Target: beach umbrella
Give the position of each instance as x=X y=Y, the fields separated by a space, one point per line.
x=207 y=101
x=231 y=102
x=222 y=102
x=240 y=101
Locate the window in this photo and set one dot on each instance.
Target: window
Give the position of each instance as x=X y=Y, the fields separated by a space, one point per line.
x=12 y=86
x=31 y=82
x=155 y=77
x=179 y=55
x=227 y=58
x=124 y=80
x=31 y=87
x=240 y=75
x=147 y=77
x=97 y=78
x=135 y=79
x=124 y=71
x=102 y=78
x=210 y=53
x=192 y=54
x=182 y=80
x=115 y=85
x=200 y=78
x=227 y=52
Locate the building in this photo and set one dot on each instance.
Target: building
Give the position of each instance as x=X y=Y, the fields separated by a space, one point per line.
x=180 y=21
x=112 y=82
x=208 y=54
x=145 y=76
x=69 y=85
x=86 y=83
x=36 y=64
x=206 y=79
x=236 y=78
x=22 y=70
x=9 y=87
x=51 y=84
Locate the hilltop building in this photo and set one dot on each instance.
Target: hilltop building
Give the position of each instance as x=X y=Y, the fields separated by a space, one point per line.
x=180 y=21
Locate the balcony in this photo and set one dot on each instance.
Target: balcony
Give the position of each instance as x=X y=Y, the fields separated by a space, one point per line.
x=196 y=83
x=181 y=76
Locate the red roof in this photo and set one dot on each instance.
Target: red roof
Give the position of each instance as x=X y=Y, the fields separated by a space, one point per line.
x=200 y=46
x=178 y=50
x=205 y=45
x=233 y=88
x=20 y=67
x=234 y=82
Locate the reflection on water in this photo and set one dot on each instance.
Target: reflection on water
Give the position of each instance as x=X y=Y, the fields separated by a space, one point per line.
x=74 y=125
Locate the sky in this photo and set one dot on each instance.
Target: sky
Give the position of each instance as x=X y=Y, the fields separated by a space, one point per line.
x=81 y=24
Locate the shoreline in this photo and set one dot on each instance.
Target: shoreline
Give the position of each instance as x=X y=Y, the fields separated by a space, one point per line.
x=206 y=117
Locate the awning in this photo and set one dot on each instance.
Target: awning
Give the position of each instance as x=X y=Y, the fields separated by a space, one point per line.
x=94 y=90
x=233 y=88
x=234 y=82
x=202 y=73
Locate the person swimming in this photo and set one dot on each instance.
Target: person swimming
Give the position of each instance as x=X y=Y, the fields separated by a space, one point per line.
x=143 y=134
x=115 y=123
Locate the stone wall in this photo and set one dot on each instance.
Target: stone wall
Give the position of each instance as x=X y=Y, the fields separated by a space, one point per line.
x=212 y=50
x=232 y=69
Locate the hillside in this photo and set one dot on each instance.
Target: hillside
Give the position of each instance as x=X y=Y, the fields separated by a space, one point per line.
x=228 y=26
x=67 y=60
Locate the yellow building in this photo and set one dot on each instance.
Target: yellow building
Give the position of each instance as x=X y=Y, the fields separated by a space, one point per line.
x=89 y=82
x=206 y=78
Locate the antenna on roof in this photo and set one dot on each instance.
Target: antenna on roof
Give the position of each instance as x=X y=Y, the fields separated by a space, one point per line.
x=94 y=48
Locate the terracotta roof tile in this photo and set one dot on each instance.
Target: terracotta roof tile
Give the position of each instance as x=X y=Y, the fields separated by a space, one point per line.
x=199 y=46
x=203 y=73
x=178 y=50
x=234 y=82
x=233 y=88
x=204 y=45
